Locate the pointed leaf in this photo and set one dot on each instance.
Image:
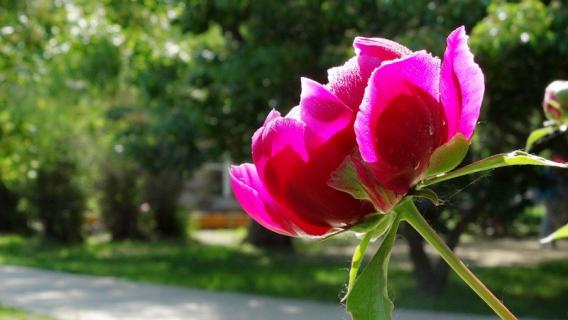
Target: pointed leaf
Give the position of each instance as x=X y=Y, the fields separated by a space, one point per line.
x=368 y=299
x=448 y=156
x=558 y=234
x=537 y=135
x=514 y=158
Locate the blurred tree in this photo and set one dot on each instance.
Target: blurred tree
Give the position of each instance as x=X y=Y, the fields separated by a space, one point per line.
x=121 y=198
x=60 y=202
x=107 y=76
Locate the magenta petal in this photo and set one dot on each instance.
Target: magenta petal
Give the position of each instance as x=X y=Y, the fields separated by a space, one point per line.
x=348 y=81
x=462 y=85
x=294 y=113
x=255 y=200
x=383 y=49
x=277 y=134
x=393 y=79
x=322 y=111
x=272 y=115
x=283 y=133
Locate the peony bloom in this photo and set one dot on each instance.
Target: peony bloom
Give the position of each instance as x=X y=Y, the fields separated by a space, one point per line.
x=555 y=102
x=393 y=106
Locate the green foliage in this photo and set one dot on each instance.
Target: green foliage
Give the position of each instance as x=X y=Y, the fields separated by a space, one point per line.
x=8 y=313
x=79 y=78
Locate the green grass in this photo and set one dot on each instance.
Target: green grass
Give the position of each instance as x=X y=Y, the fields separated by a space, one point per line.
x=8 y=313
x=529 y=291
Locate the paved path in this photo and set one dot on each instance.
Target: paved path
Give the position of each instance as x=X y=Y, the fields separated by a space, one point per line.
x=79 y=297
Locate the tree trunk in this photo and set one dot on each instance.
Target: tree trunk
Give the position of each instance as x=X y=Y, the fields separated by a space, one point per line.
x=162 y=193
x=10 y=219
x=264 y=238
x=121 y=200
x=431 y=273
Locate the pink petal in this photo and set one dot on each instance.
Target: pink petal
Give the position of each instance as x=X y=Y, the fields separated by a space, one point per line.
x=383 y=49
x=391 y=80
x=272 y=115
x=348 y=81
x=462 y=85
x=401 y=121
x=280 y=134
x=294 y=164
x=322 y=111
x=261 y=206
x=256 y=201
x=294 y=113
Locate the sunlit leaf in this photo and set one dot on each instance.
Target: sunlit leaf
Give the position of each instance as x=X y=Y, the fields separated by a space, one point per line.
x=368 y=299
x=537 y=135
x=515 y=158
x=558 y=234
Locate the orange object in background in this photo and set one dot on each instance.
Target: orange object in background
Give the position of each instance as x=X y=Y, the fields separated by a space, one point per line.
x=222 y=220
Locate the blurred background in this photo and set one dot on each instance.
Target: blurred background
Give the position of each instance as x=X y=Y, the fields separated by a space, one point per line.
x=118 y=120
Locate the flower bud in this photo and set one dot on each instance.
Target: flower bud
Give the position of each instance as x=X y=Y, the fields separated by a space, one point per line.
x=556 y=101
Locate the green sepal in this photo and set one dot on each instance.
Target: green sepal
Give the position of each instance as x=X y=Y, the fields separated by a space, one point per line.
x=448 y=156
x=345 y=179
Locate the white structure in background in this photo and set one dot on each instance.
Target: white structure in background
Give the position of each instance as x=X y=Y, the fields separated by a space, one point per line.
x=209 y=190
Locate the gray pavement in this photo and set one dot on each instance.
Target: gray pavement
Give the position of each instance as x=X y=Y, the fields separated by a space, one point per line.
x=79 y=297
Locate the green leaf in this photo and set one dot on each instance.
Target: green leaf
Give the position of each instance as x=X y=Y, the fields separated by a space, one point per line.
x=448 y=156
x=515 y=158
x=537 y=135
x=368 y=299
x=558 y=234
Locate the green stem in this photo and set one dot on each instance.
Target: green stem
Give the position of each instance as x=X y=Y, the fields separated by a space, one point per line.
x=357 y=259
x=413 y=216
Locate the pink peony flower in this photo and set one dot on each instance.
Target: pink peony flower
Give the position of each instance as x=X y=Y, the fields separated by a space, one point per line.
x=396 y=106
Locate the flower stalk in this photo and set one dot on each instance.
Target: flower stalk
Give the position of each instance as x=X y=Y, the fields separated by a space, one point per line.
x=411 y=214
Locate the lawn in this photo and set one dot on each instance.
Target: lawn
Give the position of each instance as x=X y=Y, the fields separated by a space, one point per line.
x=8 y=313
x=529 y=291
